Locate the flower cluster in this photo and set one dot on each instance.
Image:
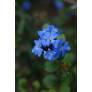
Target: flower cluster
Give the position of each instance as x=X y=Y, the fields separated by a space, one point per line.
x=49 y=45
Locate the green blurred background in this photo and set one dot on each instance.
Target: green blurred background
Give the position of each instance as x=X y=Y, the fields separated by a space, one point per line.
x=36 y=74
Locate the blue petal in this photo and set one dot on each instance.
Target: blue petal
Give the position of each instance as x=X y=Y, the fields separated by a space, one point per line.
x=51 y=55
x=65 y=48
x=37 y=51
x=50 y=32
x=45 y=42
x=38 y=43
x=54 y=29
x=53 y=36
x=40 y=33
x=44 y=34
x=54 y=33
x=57 y=43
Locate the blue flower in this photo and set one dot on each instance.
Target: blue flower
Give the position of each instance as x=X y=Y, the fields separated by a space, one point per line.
x=49 y=45
x=59 y=5
x=26 y=5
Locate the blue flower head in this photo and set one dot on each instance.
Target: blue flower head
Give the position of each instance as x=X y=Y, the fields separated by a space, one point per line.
x=59 y=5
x=26 y=5
x=49 y=45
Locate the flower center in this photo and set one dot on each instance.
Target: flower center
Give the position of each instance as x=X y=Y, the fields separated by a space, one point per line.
x=47 y=47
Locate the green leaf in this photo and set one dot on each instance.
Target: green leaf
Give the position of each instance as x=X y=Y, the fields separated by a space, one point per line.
x=68 y=59
x=22 y=90
x=50 y=67
x=22 y=82
x=45 y=25
x=74 y=70
x=62 y=36
x=52 y=90
x=21 y=24
x=36 y=84
x=49 y=81
x=65 y=88
x=66 y=78
x=22 y=85
x=43 y=91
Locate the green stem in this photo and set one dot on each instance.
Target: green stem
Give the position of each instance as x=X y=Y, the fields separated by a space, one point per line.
x=21 y=25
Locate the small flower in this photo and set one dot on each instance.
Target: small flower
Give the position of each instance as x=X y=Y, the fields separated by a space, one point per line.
x=49 y=45
x=26 y=5
x=59 y=5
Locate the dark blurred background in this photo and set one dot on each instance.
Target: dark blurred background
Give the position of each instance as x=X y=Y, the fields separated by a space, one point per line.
x=36 y=74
